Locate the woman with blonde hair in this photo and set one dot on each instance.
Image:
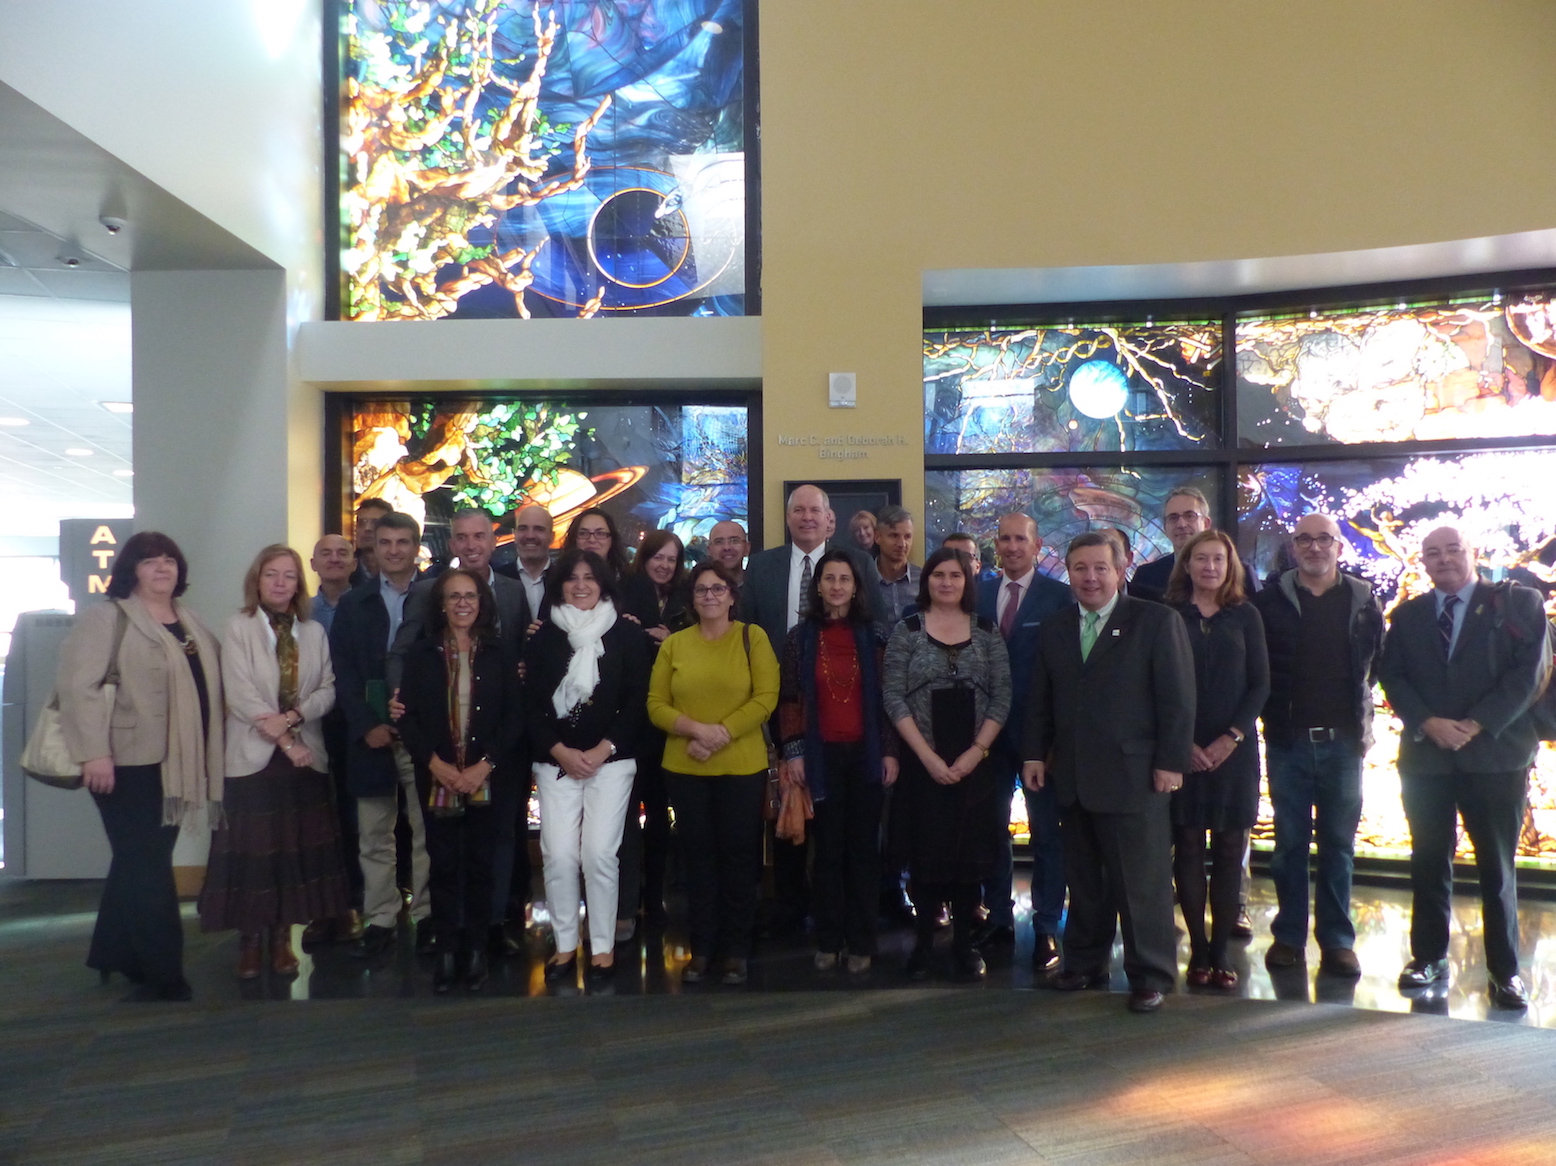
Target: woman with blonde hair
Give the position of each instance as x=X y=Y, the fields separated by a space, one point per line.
x=276 y=860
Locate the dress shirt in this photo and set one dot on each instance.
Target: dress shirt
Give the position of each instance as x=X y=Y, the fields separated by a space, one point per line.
x=796 y=570
x=1464 y=593
x=1104 y=613
x=322 y=611
x=900 y=592
x=394 y=603
x=1024 y=583
x=534 y=589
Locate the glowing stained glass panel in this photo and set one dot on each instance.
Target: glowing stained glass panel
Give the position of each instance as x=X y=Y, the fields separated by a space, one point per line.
x=1476 y=368
x=1098 y=387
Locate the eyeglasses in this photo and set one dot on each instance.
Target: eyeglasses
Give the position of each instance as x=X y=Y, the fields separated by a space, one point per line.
x=455 y=598
x=713 y=590
x=1322 y=541
x=593 y=535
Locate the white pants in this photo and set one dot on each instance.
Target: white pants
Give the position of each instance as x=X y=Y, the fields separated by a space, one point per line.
x=580 y=828
x=376 y=851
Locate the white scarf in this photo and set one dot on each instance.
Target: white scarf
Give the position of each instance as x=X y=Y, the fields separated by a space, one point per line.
x=585 y=630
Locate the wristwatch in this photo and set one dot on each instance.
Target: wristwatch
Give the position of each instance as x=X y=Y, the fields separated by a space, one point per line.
x=612 y=744
x=1236 y=734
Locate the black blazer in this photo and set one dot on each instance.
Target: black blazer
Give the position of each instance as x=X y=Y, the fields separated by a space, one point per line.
x=1493 y=677
x=764 y=597
x=512 y=620
x=359 y=639
x=1232 y=680
x=1105 y=723
x=618 y=708
x=495 y=721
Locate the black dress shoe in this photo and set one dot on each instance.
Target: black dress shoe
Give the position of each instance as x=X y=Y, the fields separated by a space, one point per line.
x=374 y=942
x=1508 y=993
x=1242 y=927
x=1045 y=953
x=426 y=937
x=1144 y=1000
x=444 y=973
x=476 y=971
x=500 y=943
x=565 y=972
x=597 y=974
x=1080 y=981
x=1423 y=973
x=918 y=962
x=989 y=934
x=970 y=965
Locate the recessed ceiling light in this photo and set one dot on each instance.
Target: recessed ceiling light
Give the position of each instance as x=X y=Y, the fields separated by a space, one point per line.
x=78 y=451
x=14 y=422
x=119 y=406
x=124 y=473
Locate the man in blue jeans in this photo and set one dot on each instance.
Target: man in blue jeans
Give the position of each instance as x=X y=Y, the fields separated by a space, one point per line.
x=1324 y=629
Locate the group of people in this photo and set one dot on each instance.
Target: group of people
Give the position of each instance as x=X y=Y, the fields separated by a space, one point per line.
x=905 y=704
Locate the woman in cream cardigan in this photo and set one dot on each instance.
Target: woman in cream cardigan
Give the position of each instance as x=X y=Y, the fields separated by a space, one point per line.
x=276 y=861
x=151 y=755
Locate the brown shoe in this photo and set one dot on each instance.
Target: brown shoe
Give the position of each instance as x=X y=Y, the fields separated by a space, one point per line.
x=1339 y=961
x=283 y=960
x=348 y=927
x=251 y=956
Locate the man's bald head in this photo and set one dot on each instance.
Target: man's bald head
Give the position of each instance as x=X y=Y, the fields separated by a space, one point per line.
x=1449 y=559
x=1317 y=542
x=728 y=544
x=332 y=559
x=533 y=531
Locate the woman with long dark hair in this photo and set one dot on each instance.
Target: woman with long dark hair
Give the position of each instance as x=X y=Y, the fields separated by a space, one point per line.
x=586 y=678
x=461 y=727
x=1221 y=793
x=595 y=531
x=151 y=752
x=838 y=743
x=947 y=689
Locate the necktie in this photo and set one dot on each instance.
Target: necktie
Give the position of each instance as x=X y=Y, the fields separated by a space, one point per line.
x=1012 y=602
x=1445 y=623
x=805 y=588
x=1089 y=632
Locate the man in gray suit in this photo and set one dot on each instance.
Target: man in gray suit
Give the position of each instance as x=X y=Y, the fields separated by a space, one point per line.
x=1461 y=667
x=1110 y=722
x=777 y=584
x=472 y=540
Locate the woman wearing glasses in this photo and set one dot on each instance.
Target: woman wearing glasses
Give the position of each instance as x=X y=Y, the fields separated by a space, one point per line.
x=713 y=688
x=586 y=678
x=947 y=688
x=595 y=531
x=461 y=728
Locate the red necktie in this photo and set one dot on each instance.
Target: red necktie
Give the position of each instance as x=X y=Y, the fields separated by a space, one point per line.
x=1012 y=602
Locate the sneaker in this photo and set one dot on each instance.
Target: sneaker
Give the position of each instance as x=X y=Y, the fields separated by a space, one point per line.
x=826 y=961
x=858 y=965
x=735 y=972
x=695 y=971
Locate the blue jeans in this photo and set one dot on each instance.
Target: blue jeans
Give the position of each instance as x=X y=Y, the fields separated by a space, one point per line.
x=1308 y=776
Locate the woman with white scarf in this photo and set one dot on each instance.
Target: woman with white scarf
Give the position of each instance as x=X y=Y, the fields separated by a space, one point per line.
x=586 y=683
x=150 y=751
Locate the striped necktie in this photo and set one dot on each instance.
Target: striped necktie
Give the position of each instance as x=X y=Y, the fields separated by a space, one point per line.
x=1445 y=624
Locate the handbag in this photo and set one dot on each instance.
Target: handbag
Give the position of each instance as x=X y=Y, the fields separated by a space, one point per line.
x=45 y=756
x=772 y=796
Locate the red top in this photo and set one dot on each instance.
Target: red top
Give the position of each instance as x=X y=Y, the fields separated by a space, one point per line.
x=839 y=686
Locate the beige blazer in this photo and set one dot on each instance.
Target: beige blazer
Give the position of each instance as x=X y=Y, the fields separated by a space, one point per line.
x=134 y=731
x=252 y=679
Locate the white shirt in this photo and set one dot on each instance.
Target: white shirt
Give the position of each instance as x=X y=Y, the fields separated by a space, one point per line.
x=1022 y=583
x=534 y=589
x=797 y=562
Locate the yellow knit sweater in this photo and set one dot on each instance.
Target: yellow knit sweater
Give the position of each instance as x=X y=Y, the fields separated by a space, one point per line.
x=710 y=681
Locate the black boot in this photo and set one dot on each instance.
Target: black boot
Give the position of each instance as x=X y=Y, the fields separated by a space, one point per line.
x=444 y=972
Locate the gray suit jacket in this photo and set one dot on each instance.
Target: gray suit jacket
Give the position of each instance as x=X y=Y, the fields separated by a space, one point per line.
x=1103 y=724
x=513 y=617
x=1499 y=661
x=764 y=597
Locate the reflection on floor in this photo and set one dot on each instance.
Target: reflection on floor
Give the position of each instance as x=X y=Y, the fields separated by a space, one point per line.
x=44 y=929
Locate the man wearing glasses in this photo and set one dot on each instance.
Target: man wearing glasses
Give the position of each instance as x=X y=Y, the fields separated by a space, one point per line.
x=1324 y=629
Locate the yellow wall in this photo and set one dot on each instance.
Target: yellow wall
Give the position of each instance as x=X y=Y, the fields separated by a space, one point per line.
x=904 y=135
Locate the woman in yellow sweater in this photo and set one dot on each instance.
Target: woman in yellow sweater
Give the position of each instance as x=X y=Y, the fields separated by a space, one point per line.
x=714 y=685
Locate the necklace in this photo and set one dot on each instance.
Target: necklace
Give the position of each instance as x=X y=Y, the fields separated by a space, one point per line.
x=840 y=692
x=185 y=641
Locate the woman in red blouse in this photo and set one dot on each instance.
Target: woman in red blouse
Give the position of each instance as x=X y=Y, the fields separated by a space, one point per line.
x=838 y=743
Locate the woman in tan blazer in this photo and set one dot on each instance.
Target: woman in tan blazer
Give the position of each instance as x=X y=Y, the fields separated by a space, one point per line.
x=276 y=861
x=151 y=756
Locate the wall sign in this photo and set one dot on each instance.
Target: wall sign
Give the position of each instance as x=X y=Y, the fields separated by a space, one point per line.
x=87 y=550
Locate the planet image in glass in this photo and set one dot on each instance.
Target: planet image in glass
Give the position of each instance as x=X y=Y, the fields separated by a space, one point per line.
x=1099 y=389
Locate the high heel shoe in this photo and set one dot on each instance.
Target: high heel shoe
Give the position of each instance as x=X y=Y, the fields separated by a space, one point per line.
x=565 y=972
x=1198 y=975
x=1223 y=978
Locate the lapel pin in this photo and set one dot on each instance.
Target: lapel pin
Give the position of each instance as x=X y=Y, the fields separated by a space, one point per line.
x=1115 y=632
x=1479 y=607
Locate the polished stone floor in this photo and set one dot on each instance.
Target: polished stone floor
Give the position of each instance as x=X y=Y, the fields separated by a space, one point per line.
x=52 y=922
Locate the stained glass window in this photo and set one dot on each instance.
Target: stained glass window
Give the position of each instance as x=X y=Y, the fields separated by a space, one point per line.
x=1087 y=388
x=513 y=158
x=1470 y=368
x=1065 y=503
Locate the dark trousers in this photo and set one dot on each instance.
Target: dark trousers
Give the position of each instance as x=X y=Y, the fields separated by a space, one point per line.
x=998 y=892
x=1048 y=884
x=927 y=898
x=719 y=820
x=847 y=828
x=139 y=933
x=1492 y=805
x=1120 y=865
x=334 y=726
x=645 y=840
x=511 y=872
x=1227 y=848
x=459 y=878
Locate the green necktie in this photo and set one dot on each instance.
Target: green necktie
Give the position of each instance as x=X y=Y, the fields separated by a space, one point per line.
x=1089 y=632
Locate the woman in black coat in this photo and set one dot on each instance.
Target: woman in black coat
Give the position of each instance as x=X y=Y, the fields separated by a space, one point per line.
x=586 y=686
x=1221 y=793
x=461 y=727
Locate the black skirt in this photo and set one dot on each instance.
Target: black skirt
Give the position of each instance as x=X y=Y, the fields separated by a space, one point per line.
x=277 y=860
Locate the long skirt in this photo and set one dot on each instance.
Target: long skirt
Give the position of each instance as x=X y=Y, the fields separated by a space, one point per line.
x=277 y=859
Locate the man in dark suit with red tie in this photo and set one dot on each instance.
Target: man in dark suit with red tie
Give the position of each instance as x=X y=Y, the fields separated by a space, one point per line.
x=1110 y=725
x=1017 y=601
x=1462 y=665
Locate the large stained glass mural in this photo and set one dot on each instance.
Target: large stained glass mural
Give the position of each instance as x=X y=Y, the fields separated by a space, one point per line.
x=680 y=467
x=1065 y=503
x=1474 y=368
x=1504 y=504
x=504 y=158
x=1085 y=388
